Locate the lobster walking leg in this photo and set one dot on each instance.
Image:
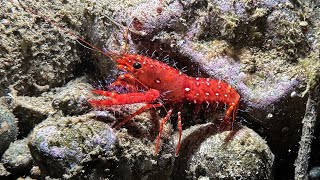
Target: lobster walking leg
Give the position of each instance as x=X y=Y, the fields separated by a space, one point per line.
x=228 y=113
x=139 y=111
x=231 y=110
x=180 y=132
x=131 y=88
x=129 y=81
x=163 y=122
x=125 y=78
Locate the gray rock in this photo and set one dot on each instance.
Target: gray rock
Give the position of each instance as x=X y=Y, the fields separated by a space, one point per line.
x=35 y=172
x=72 y=147
x=8 y=128
x=81 y=147
x=30 y=111
x=72 y=98
x=205 y=153
x=17 y=158
x=41 y=62
x=314 y=173
x=3 y=171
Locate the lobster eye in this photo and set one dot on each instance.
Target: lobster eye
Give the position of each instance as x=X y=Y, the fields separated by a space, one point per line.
x=136 y=65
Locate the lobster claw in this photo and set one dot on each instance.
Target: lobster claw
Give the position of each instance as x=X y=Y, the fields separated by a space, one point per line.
x=128 y=98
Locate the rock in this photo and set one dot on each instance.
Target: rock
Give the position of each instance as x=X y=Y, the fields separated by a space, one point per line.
x=30 y=111
x=65 y=147
x=81 y=147
x=314 y=173
x=8 y=128
x=72 y=98
x=205 y=154
x=36 y=65
x=3 y=171
x=284 y=30
x=17 y=158
x=35 y=172
x=137 y=159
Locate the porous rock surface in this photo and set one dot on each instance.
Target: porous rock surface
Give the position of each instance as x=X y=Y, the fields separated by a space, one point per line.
x=8 y=127
x=17 y=158
x=206 y=153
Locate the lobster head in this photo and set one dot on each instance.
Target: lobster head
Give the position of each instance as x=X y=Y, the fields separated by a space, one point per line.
x=134 y=64
x=146 y=70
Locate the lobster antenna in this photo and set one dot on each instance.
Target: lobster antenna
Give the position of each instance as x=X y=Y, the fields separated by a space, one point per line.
x=69 y=32
x=141 y=33
x=78 y=41
x=126 y=29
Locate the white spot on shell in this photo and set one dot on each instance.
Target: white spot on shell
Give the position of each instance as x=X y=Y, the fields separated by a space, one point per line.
x=151 y=65
x=208 y=79
x=180 y=73
x=197 y=79
x=219 y=87
x=217 y=94
x=219 y=82
x=144 y=62
x=207 y=94
x=225 y=95
x=195 y=101
x=158 y=81
x=197 y=94
x=269 y=116
x=187 y=89
x=208 y=84
x=293 y=94
x=198 y=83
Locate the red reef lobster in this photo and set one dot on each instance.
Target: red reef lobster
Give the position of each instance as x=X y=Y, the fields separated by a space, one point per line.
x=160 y=82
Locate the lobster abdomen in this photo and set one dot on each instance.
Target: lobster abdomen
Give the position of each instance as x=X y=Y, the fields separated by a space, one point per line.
x=200 y=90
